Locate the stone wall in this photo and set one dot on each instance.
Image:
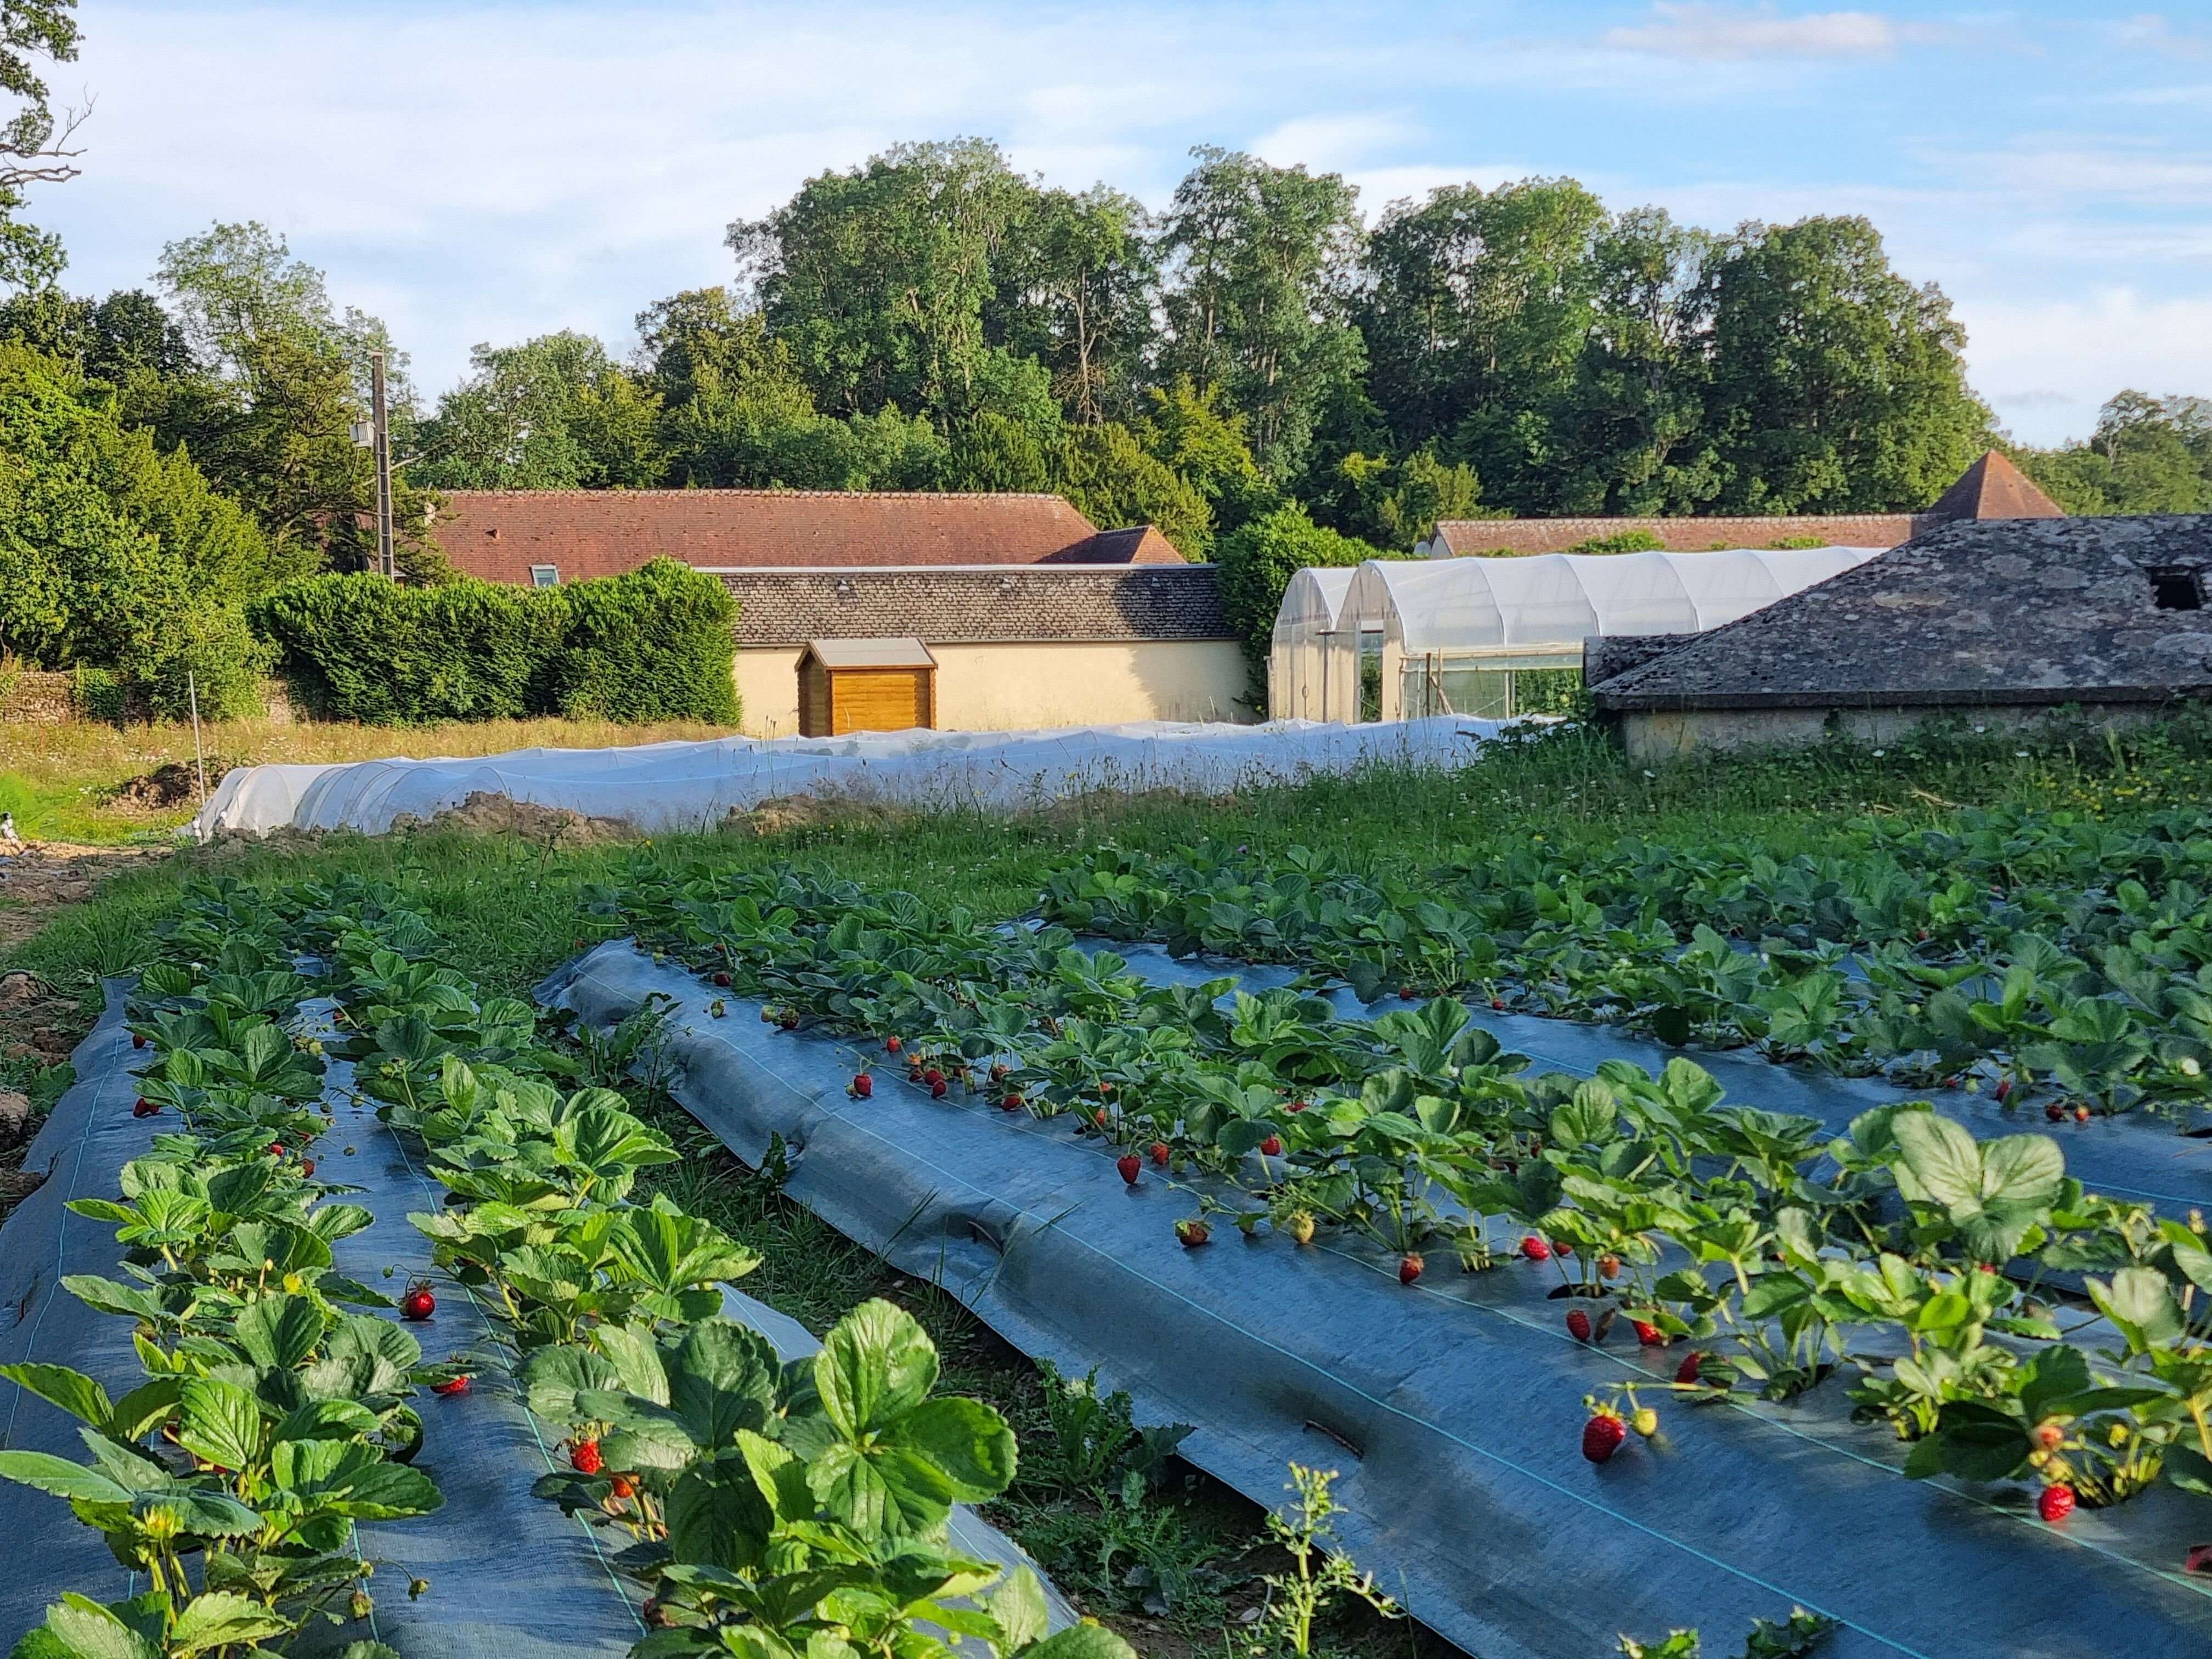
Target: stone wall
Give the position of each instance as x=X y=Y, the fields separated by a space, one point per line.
x=35 y=696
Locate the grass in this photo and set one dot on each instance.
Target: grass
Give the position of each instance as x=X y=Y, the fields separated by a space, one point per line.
x=509 y=907
x=60 y=780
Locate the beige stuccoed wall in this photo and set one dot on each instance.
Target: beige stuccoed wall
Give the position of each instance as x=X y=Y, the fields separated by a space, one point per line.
x=1013 y=688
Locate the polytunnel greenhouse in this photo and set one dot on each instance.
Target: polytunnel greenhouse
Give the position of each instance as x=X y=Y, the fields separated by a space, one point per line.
x=1496 y=638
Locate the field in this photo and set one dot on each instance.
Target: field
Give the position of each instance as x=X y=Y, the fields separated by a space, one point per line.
x=1172 y=1568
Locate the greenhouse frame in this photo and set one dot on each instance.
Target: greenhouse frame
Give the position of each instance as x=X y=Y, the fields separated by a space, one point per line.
x=1500 y=638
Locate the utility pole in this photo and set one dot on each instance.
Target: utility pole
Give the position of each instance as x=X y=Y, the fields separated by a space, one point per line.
x=383 y=444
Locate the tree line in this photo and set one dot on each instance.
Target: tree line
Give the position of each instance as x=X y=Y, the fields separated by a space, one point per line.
x=1253 y=368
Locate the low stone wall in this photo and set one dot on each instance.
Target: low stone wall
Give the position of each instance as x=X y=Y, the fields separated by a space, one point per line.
x=35 y=696
x=1669 y=735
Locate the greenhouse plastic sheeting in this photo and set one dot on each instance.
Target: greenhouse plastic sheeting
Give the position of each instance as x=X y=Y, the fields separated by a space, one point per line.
x=1452 y=1409
x=694 y=786
x=511 y=1576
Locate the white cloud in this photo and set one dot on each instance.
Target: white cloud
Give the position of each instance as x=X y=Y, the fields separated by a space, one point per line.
x=2047 y=366
x=1726 y=33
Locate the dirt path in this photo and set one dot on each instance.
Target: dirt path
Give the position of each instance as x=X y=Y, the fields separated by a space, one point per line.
x=49 y=875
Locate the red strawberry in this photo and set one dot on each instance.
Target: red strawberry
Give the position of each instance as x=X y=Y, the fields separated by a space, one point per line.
x=937 y=1090
x=2049 y=1434
x=2199 y=1559
x=1687 y=1371
x=1563 y=1249
x=1535 y=1250
x=418 y=1303
x=998 y=1071
x=722 y=979
x=933 y=1077
x=1404 y=993
x=1497 y=1002
x=307 y=1168
x=1271 y=1146
x=864 y=1086
x=452 y=1385
x=1649 y=1335
x=1409 y=1267
x=1297 y=1106
x=890 y=1045
x=1160 y=1154
x=2055 y=1112
x=1578 y=1325
x=2055 y=1503
x=789 y=1020
x=1098 y=1117
x=275 y=1149
x=584 y=1456
x=1603 y=1435
x=1105 y=1088
x=1131 y=1167
x=137 y=1039
x=144 y=1109
x=2080 y=1114
x=1609 y=1265
x=2004 y=1087
x=1193 y=1231
x=1010 y=1104
x=623 y=1487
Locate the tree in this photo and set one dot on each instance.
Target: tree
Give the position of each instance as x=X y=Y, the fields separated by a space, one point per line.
x=2148 y=455
x=1074 y=284
x=123 y=342
x=552 y=413
x=1113 y=483
x=1259 y=259
x=1395 y=504
x=877 y=279
x=1838 y=385
x=284 y=377
x=35 y=143
x=114 y=556
x=1187 y=432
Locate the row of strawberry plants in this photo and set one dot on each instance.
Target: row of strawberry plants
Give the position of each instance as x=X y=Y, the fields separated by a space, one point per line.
x=1778 y=1254
x=2068 y=964
x=765 y=1509
x=275 y=1411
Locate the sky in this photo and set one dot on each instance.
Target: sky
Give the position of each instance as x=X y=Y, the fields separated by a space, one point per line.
x=487 y=170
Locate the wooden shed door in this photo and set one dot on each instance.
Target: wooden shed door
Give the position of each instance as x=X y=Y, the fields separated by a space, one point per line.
x=879 y=699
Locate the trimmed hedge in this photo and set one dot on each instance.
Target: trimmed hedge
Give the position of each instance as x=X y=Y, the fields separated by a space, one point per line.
x=657 y=643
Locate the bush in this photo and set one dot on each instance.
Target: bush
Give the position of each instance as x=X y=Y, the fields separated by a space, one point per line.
x=654 y=644
x=1257 y=561
x=1625 y=541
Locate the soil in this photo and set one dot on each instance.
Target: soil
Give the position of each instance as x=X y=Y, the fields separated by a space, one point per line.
x=48 y=876
x=486 y=813
x=167 y=786
x=786 y=815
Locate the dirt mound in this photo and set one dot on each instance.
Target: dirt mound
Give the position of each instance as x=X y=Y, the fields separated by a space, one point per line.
x=487 y=813
x=788 y=815
x=174 y=784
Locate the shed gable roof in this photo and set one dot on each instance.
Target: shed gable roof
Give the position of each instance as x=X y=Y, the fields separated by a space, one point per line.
x=1989 y=611
x=978 y=606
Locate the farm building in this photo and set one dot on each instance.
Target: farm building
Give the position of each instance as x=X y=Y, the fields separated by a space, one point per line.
x=866 y=686
x=1013 y=647
x=1493 y=638
x=542 y=537
x=1999 y=622
x=1992 y=488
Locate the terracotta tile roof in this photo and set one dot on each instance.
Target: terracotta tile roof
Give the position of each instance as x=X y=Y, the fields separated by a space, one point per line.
x=1992 y=488
x=1479 y=535
x=983 y=606
x=499 y=534
x=1974 y=613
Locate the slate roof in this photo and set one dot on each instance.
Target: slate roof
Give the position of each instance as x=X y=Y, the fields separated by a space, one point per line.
x=978 y=605
x=1988 y=612
x=498 y=534
x=1992 y=488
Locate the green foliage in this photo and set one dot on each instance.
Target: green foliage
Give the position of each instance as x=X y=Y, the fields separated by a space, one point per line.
x=552 y=413
x=656 y=643
x=1626 y=541
x=1397 y=504
x=1112 y=482
x=34 y=147
x=1321 y=1572
x=2148 y=455
x=1257 y=562
x=115 y=557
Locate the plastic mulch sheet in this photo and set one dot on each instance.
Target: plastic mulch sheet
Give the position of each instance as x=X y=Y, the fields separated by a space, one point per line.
x=511 y=1577
x=1452 y=1409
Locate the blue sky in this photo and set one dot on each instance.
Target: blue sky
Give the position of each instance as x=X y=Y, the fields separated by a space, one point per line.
x=488 y=171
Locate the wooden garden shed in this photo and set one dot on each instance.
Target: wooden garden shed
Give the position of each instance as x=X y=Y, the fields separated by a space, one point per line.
x=866 y=686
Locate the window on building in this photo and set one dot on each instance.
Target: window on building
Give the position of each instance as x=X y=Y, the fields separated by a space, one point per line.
x=545 y=575
x=2177 y=589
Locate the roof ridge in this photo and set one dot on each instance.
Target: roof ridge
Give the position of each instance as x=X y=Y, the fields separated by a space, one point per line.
x=788 y=494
